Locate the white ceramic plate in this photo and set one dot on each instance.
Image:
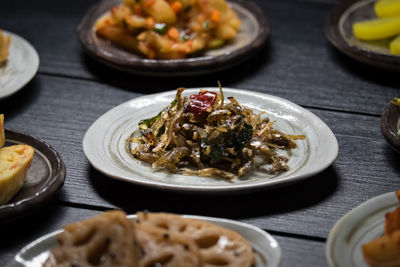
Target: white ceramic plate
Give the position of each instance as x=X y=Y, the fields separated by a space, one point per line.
x=268 y=253
x=106 y=148
x=361 y=225
x=22 y=64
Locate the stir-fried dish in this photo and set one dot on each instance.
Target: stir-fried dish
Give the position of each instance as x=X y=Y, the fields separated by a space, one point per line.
x=205 y=136
x=169 y=29
x=4 y=47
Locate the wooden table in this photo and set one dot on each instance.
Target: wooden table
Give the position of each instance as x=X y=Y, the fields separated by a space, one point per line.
x=71 y=91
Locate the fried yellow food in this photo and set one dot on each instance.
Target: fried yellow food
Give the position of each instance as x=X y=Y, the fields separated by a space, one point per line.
x=385 y=251
x=218 y=246
x=107 y=240
x=204 y=136
x=14 y=165
x=4 y=44
x=2 y=135
x=15 y=162
x=173 y=29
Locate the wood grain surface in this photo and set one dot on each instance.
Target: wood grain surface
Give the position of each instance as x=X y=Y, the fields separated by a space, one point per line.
x=71 y=91
x=297 y=53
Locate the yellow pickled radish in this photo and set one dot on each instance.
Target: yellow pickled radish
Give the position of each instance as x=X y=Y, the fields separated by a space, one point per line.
x=387 y=8
x=395 y=46
x=376 y=29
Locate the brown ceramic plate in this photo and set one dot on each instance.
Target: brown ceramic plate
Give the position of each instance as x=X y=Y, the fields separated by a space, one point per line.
x=390 y=125
x=251 y=38
x=45 y=176
x=339 y=31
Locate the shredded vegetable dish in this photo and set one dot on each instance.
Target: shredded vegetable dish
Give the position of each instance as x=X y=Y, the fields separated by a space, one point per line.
x=205 y=136
x=169 y=29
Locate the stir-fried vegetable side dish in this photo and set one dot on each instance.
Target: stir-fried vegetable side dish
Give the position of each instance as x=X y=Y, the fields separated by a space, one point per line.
x=169 y=29
x=204 y=136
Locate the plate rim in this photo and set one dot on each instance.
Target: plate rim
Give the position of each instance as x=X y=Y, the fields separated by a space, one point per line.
x=192 y=66
x=203 y=189
x=26 y=206
x=277 y=250
x=35 y=65
x=363 y=208
x=390 y=136
x=372 y=58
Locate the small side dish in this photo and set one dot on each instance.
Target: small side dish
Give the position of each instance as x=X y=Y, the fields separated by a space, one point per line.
x=155 y=239
x=390 y=124
x=385 y=250
x=4 y=45
x=362 y=237
x=15 y=162
x=204 y=136
x=396 y=102
x=386 y=26
x=19 y=62
x=169 y=29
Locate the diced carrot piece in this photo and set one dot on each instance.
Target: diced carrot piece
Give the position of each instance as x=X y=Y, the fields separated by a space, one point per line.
x=215 y=16
x=176 y=6
x=150 y=22
x=173 y=33
x=201 y=18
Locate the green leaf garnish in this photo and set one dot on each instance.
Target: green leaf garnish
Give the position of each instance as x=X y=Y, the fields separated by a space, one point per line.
x=160 y=28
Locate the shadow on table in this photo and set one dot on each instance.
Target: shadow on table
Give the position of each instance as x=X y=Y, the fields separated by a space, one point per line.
x=393 y=158
x=366 y=72
x=40 y=222
x=150 y=84
x=15 y=104
x=298 y=196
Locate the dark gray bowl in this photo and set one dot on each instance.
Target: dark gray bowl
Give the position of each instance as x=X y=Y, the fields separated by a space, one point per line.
x=339 y=32
x=45 y=176
x=390 y=125
x=251 y=38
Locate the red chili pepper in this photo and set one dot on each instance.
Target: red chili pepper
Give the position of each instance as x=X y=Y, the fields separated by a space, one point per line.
x=201 y=102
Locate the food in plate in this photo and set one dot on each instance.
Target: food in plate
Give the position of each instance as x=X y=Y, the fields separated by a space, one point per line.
x=155 y=239
x=217 y=245
x=14 y=165
x=2 y=135
x=108 y=239
x=385 y=250
x=377 y=28
x=387 y=8
x=396 y=101
x=205 y=136
x=169 y=29
x=168 y=249
x=4 y=44
x=386 y=26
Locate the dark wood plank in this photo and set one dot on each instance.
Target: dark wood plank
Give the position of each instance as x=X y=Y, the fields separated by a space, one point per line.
x=292 y=249
x=298 y=62
x=296 y=252
x=60 y=110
